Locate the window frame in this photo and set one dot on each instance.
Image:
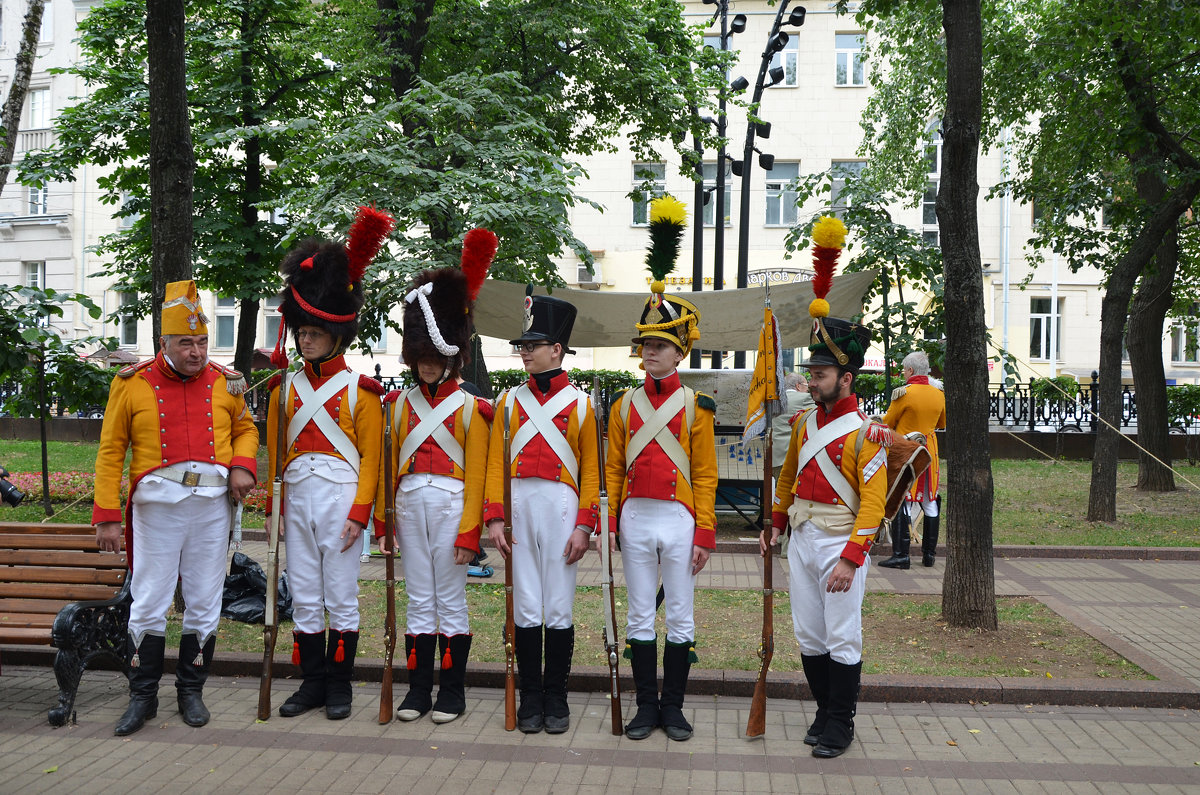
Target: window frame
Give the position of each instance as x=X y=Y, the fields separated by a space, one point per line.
x=127 y=328
x=37 y=200
x=836 y=207
x=1185 y=332
x=789 y=59
x=34 y=274
x=845 y=59
x=776 y=193
x=658 y=183
x=710 y=190
x=227 y=312
x=1050 y=344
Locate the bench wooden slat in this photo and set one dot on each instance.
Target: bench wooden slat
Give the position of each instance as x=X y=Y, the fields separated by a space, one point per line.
x=35 y=528
x=26 y=635
x=71 y=593
x=40 y=620
x=51 y=606
x=74 y=576
x=48 y=541
x=60 y=557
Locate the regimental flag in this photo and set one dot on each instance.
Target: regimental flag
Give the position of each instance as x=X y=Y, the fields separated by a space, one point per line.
x=765 y=404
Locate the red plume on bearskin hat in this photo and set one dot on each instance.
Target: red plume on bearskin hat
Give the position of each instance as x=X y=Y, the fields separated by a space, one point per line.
x=438 y=307
x=323 y=280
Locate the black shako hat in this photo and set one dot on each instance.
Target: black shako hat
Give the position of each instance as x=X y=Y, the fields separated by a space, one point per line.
x=547 y=319
x=839 y=343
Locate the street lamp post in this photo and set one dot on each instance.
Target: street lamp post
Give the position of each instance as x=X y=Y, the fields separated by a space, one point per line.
x=776 y=41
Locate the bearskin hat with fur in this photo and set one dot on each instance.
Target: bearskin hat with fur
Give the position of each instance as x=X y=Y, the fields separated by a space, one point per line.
x=448 y=302
x=322 y=285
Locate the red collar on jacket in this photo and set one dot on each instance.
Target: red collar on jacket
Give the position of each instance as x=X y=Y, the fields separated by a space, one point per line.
x=160 y=361
x=318 y=370
x=442 y=390
x=843 y=406
x=918 y=379
x=556 y=383
x=662 y=386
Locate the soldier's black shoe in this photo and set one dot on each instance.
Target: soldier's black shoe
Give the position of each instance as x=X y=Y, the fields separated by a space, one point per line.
x=896 y=562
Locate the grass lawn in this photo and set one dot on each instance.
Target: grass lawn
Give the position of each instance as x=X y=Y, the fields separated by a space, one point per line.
x=1037 y=502
x=902 y=635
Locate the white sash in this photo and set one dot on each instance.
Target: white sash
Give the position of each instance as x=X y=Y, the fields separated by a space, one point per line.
x=312 y=409
x=432 y=421
x=814 y=448
x=654 y=428
x=541 y=421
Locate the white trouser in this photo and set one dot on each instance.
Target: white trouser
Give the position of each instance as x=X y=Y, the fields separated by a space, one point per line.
x=658 y=533
x=929 y=507
x=544 y=513
x=186 y=541
x=824 y=622
x=322 y=576
x=436 y=586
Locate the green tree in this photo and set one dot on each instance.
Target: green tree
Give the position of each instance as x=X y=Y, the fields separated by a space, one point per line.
x=1096 y=102
x=10 y=116
x=43 y=365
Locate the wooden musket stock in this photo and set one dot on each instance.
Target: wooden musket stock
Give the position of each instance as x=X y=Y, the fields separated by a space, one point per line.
x=389 y=532
x=608 y=598
x=270 y=617
x=510 y=630
x=756 y=724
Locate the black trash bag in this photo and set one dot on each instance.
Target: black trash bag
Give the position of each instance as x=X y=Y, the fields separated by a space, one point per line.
x=245 y=596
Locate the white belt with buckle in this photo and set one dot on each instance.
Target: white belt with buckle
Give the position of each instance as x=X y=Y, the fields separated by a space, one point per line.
x=192 y=479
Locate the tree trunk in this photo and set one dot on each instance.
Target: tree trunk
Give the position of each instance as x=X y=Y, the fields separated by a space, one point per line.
x=969 y=587
x=476 y=372
x=1146 y=319
x=252 y=179
x=172 y=159
x=403 y=36
x=10 y=117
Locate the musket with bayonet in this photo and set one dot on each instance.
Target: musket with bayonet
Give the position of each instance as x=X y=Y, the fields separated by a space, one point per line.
x=389 y=533
x=608 y=598
x=270 y=613
x=510 y=628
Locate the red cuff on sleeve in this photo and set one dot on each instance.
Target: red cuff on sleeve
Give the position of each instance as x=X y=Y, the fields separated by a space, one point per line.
x=493 y=510
x=380 y=527
x=361 y=513
x=779 y=519
x=469 y=540
x=105 y=514
x=586 y=517
x=705 y=538
x=246 y=463
x=614 y=526
x=854 y=553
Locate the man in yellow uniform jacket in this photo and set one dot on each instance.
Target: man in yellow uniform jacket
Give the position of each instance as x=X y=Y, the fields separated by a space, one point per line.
x=830 y=497
x=331 y=455
x=194 y=446
x=921 y=407
x=555 y=473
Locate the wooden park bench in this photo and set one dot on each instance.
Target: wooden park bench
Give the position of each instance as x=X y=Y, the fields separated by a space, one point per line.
x=58 y=589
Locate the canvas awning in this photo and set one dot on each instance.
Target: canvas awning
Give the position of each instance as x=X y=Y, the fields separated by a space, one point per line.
x=729 y=319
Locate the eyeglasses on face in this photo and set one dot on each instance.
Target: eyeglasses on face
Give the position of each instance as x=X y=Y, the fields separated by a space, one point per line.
x=530 y=347
x=315 y=334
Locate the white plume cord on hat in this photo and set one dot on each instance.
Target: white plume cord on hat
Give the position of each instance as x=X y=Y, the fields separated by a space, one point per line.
x=420 y=295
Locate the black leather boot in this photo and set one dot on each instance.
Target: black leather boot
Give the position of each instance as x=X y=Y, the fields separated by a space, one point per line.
x=419 y=650
x=560 y=648
x=451 y=699
x=843 y=705
x=308 y=651
x=816 y=671
x=643 y=657
x=900 y=542
x=677 y=663
x=145 y=669
x=529 y=673
x=190 y=675
x=930 y=538
x=339 y=670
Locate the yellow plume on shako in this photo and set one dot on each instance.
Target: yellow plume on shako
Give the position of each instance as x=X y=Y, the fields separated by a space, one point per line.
x=668 y=216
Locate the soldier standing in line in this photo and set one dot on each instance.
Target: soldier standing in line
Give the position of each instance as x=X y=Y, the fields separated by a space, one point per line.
x=919 y=407
x=555 y=475
x=194 y=446
x=334 y=423
x=661 y=477
x=439 y=458
x=830 y=498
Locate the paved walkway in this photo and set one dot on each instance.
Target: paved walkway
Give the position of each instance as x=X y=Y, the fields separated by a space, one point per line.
x=1148 y=610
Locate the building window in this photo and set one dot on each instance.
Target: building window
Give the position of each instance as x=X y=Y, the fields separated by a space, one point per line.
x=849 y=55
x=39 y=109
x=35 y=275
x=649 y=182
x=273 y=318
x=710 y=193
x=128 y=325
x=39 y=199
x=781 y=200
x=47 y=33
x=1045 y=330
x=930 y=234
x=788 y=59
x=841 y=172
x=128 y=216
x=379 y=344
x=226 y=321
x=1185 y=338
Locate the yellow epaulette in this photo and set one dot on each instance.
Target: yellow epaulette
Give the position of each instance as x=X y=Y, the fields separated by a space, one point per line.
x=129 y=369
x=235 y=382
